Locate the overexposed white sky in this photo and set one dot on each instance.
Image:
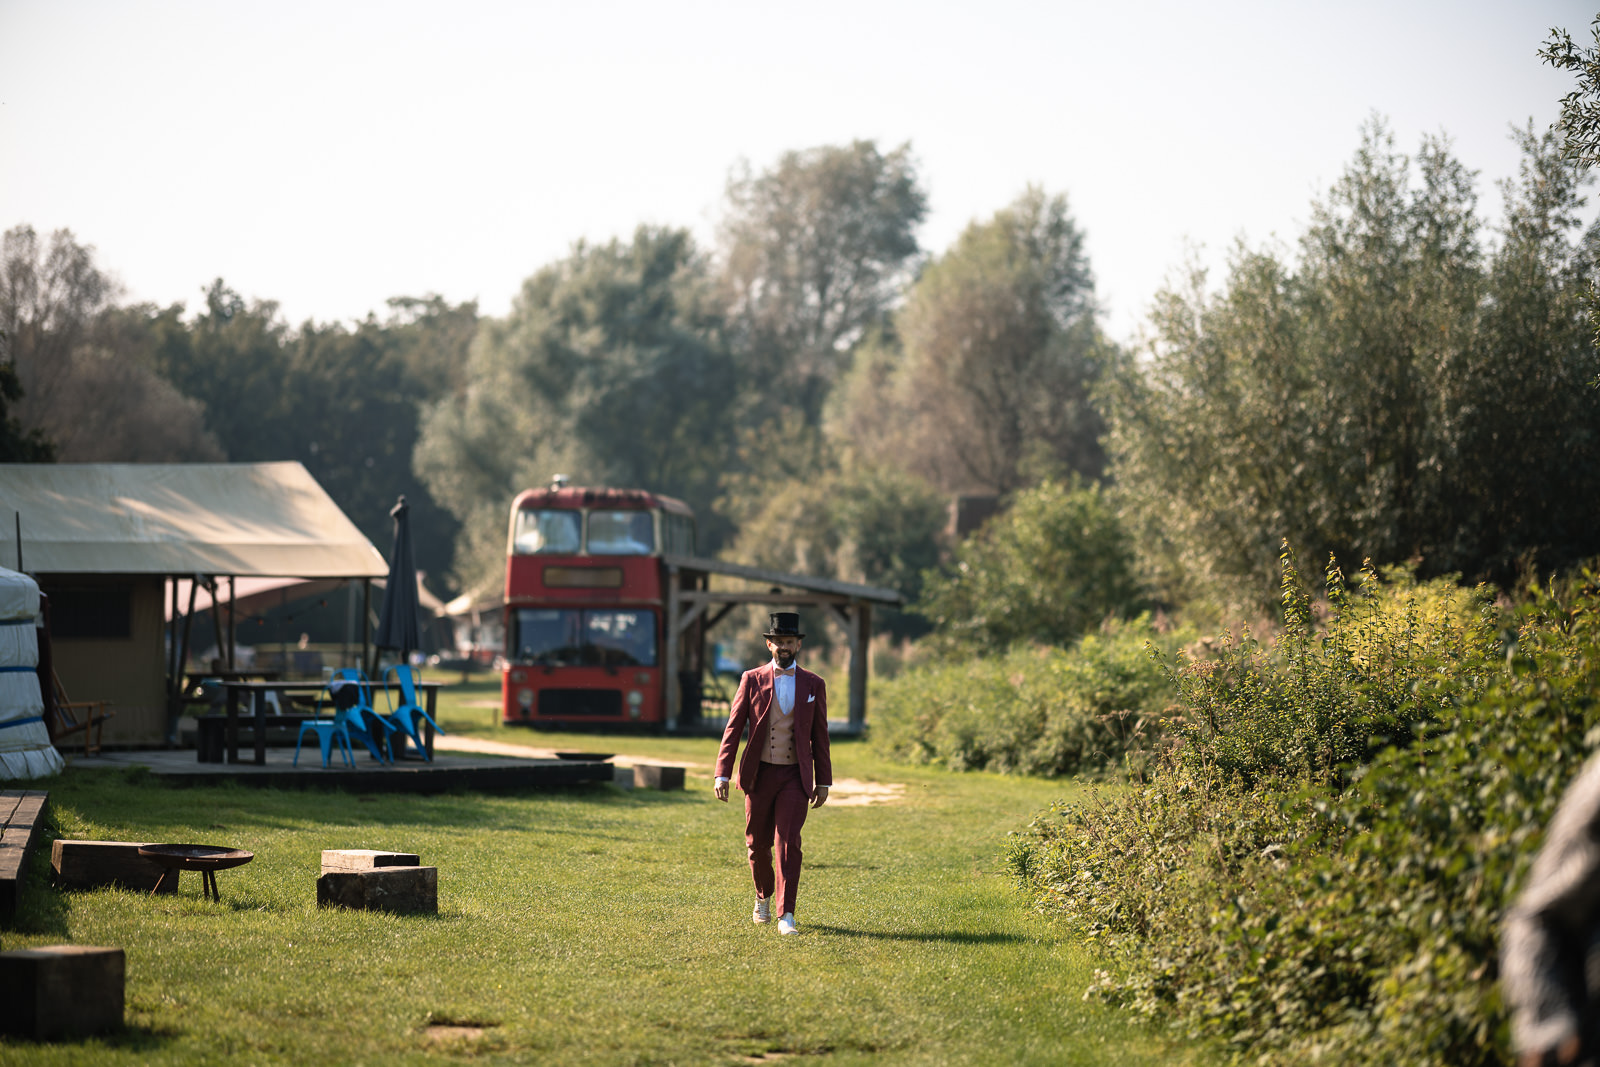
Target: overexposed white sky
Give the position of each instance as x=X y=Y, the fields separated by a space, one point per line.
x=331 y=155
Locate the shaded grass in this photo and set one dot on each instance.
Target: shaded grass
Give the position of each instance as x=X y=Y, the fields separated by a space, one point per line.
x=595 y=926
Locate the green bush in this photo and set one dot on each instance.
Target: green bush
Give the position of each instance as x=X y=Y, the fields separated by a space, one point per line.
x=1349 y=916
x=1042 y=711
x=1319 y=700
x=1049 y=569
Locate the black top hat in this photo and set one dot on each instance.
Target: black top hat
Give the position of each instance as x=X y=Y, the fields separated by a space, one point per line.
x=785 y=624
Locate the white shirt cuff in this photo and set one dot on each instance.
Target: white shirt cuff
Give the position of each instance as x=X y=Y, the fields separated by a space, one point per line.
x=721 y=780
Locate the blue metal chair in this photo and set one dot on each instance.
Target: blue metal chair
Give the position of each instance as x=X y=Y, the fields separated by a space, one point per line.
x=358 y=718
x=350 y=694
x=326 y=730
x=406 y=714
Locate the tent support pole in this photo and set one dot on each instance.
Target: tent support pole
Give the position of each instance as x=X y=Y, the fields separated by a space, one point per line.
x=216 y=614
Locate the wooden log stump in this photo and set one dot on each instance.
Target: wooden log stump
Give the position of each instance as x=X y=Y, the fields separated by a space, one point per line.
x=365 y=859
x=92 y=864
x=405 y=890
x=61 y=991
x=653 y=776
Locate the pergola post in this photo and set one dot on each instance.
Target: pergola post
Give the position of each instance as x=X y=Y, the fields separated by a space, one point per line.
x=860 y=636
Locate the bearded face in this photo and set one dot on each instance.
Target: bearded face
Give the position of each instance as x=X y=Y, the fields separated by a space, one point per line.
x=784 y=650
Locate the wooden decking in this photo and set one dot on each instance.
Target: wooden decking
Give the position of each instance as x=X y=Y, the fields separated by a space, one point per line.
x=22 y=816
x=447 y=772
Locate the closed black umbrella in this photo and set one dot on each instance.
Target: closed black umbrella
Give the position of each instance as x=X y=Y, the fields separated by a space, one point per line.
x=399 y=623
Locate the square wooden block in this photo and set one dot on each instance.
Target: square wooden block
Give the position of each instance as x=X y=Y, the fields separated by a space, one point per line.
x=61 y=991
x=651 y=776
x=398 y=889
x=365 y=859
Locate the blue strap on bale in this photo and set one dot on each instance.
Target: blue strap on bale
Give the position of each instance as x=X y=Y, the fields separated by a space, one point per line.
x=21 y=722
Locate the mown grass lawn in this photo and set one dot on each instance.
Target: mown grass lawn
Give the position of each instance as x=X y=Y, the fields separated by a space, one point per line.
x=590 y=926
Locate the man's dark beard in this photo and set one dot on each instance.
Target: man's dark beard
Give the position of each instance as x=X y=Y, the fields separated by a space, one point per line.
x=785 y=658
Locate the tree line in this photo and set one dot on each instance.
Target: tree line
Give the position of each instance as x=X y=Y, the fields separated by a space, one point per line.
x=1407 y=383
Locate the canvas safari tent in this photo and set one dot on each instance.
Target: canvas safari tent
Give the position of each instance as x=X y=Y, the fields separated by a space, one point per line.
x=110 y=543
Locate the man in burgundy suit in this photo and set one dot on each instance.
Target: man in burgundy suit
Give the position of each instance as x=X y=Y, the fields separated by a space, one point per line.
x=785 y=764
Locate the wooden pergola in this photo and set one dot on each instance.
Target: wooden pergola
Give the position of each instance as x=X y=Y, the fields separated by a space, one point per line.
x=693 y=607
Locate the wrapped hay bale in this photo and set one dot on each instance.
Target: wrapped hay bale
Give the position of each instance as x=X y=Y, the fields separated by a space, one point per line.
x=25 y=748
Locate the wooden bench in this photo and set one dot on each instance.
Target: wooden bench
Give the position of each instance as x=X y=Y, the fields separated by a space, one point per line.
x=211 y=737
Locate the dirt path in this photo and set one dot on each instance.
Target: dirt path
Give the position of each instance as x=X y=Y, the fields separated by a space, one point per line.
x=446 y=743
x=846 y=792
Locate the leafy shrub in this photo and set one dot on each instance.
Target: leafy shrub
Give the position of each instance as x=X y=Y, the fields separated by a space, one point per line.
x=1044 y=711
x=1321 y=699
x=1346 y=917
x=1050 y=568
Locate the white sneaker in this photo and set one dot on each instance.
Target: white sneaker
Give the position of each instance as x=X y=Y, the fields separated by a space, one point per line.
x=786 y=924
x=763 y=912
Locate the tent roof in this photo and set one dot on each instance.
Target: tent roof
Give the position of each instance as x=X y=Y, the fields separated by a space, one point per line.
x=267 y=520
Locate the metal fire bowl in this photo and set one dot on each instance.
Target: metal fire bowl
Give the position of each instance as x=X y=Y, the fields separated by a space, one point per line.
x=196 y=857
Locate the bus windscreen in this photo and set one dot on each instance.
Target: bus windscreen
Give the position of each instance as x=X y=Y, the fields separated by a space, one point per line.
x=547 y=532
x=621 y=533
x=571 y=637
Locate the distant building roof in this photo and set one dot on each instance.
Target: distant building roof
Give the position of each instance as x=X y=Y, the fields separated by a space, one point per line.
x=268 y=520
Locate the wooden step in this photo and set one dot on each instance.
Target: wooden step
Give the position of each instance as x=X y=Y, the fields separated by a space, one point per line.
x=22 y=816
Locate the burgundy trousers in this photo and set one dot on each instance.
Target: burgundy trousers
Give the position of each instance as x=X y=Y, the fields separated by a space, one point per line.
x=776 y=808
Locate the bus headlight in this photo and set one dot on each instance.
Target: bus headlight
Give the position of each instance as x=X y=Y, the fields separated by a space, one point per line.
x=519 y=676
x=635 y=703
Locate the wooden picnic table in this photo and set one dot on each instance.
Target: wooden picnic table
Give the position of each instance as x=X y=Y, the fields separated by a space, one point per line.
x=192 y=679
x=257 y=692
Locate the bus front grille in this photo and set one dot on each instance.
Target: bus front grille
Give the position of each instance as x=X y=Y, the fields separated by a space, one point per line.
x=565 y=703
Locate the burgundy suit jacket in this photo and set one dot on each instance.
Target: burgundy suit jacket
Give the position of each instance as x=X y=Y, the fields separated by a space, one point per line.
x=756 y=703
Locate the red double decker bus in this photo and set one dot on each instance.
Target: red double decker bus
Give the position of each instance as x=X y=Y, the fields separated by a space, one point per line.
x=585 y=599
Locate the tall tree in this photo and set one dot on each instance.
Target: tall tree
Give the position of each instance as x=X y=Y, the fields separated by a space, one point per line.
x=16 y=444
x=1579 y=125
x=869 y=523
x=1395 y=395
x=813 y=251
x=611 y=368
x=85 y=383
x=988 y=372
x=344 y=402
x=50 y=298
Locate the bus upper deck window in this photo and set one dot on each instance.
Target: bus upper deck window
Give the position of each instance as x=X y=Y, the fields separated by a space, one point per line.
x=621 y=533
x=546 y=532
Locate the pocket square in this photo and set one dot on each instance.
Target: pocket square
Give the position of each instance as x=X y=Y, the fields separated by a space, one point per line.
x=812 y=699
